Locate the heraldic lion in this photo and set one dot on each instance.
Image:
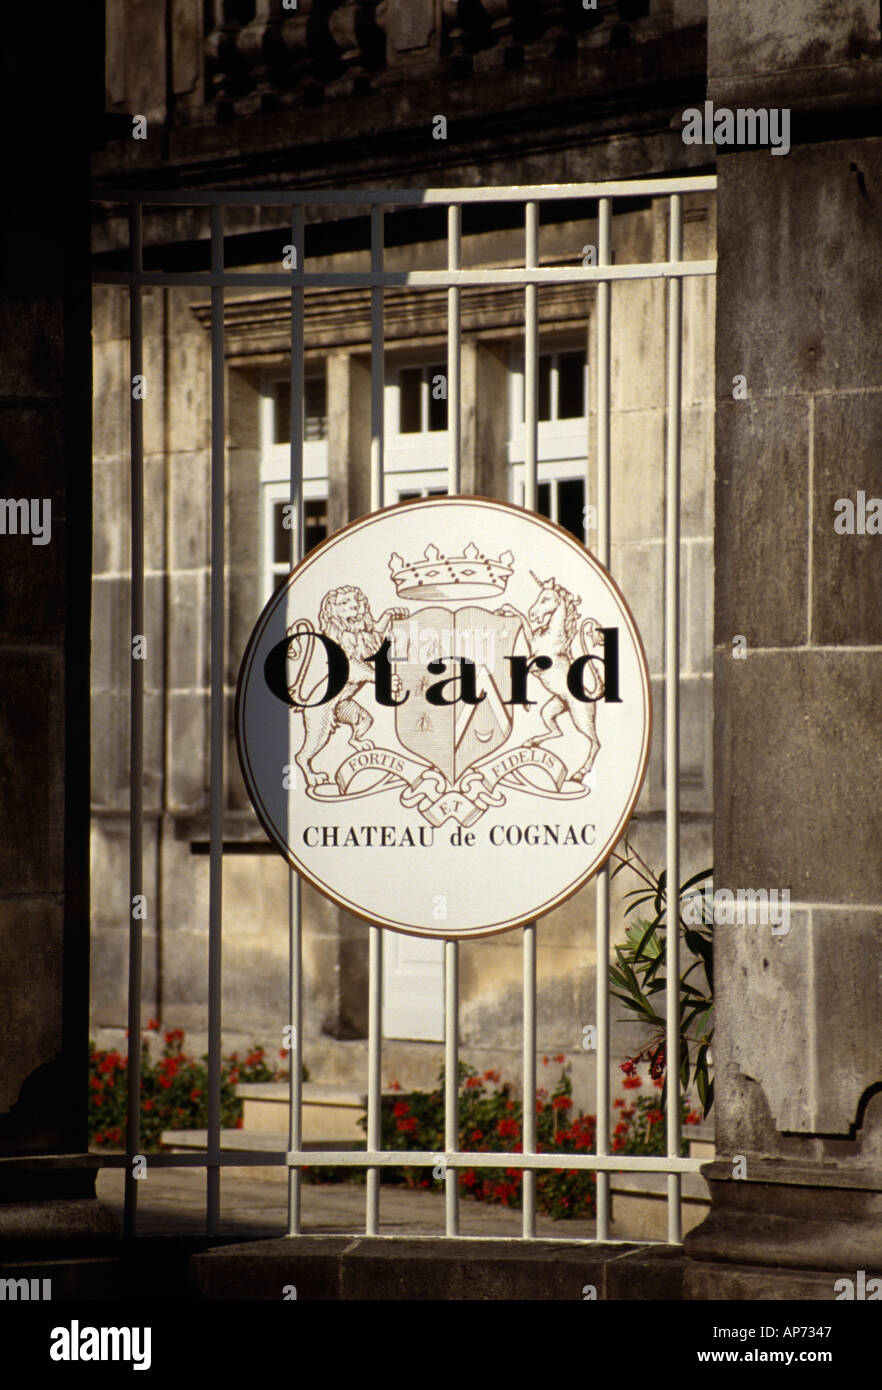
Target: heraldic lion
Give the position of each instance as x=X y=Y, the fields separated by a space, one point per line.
x=346 y=618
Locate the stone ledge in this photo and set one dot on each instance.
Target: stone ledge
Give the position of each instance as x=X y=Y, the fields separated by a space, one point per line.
x=391 y=1268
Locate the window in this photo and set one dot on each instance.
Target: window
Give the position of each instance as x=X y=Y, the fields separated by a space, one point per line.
x=275 y=464
x=422 y=399
x=562 y=435
x=563 y=500
x=315 y=410
x=315 y=518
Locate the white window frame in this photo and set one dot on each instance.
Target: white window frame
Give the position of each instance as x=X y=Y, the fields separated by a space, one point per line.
x=275 y=472
x=431 y=445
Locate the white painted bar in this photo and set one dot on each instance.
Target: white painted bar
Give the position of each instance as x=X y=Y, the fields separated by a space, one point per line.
x=377 y=360
x=454 y=354
x=375 y=934
x=420 y=1158
x=217 y=726
x=451 y=1082
x=295 y=916
x=531 y=429
x=601 y=954
x=423 y=279
x=672 y=712
x=360 y=197
x=136 y=736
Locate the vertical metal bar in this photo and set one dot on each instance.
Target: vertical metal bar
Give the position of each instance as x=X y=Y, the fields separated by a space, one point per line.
x=531 y=417
x=375 y=935
x=375 y=1050
x=136 y=700
x=531 y=359
x=451 y=1081
x=672 y=709
x=604 y=323
x=217 y=724
x=451 y=948
x=377 y=361
x=295 y=920
x=454 y=353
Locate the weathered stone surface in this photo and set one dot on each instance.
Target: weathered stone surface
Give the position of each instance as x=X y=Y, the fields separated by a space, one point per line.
x=334 y=1267
x=802 y=792
x=32 y=737
x=33 y=575
x=761 y=529
x=798 y=331
x=846 y=569
x=31 y=950
x=821 y=50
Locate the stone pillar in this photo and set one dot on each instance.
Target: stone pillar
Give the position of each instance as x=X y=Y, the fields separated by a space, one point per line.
x=44 y=639
x=484 y=385
x=797 y=1183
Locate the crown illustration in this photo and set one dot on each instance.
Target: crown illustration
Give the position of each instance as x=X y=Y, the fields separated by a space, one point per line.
x=470 y=575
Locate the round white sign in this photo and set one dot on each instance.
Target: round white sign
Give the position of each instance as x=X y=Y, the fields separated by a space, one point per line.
x=443 y=717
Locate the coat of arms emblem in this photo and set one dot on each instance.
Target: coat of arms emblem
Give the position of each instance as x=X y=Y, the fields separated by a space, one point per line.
x=458 y=748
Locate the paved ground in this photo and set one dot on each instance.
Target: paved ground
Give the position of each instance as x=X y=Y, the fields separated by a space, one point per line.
x=172 y=1202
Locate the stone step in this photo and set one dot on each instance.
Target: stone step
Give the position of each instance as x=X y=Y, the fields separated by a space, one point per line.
x=329 y=1112
x=260 y=1141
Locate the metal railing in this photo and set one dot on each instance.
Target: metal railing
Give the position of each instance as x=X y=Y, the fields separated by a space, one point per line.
x=530 y=277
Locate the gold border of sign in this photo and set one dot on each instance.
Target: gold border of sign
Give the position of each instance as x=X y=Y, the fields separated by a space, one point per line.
x=496 y=928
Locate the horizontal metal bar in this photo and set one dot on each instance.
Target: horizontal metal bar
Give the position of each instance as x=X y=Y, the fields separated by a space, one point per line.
x=385 y=197
x=424 y=279
x=384 y=1158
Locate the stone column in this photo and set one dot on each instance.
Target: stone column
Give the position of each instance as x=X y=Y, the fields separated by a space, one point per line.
x=797 y=1183
x=44 y=639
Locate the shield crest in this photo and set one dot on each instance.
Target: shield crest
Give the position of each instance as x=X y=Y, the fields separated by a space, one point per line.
x=452 y=737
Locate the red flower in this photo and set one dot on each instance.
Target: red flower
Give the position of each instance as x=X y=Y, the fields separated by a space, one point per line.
x=560 y=1057
x=164 y=1082
x=628 y=1068
x=394 y=1085
x=424 y=1182
x=472 y=1082
x=508 y=1129
x=405 y=1126
x=99 y=1100
x=99 y=1137
x=655 y=1117
x=283 y=1053
x=509 y=1105
x=153 y=1025
x=693 y=1118
x=491 y=1075
x=545 y=1061
x=659 y=1083
x=239 y=1123
x=195 y=1093
x=400 y=1107
x=96 y=1083
x=561 y=1103
x=618 y=1143
x=148 y=1105
x=621 y=1128
x=631 y=1081
x=477 y=1136
x=618 y=1102
x=468 y=1178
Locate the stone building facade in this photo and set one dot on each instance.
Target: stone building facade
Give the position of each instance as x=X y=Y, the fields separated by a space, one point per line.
x=337 y=94
x=465 y=65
